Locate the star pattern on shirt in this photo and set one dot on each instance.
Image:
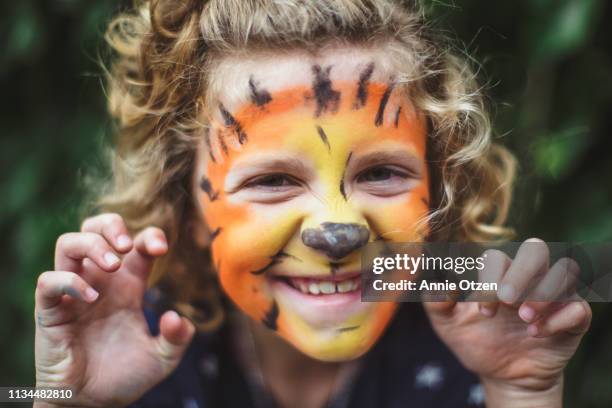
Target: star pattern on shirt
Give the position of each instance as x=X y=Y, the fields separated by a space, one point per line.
x=476 y=395
x=209 y=366
x=429 y=376
x=190 y=403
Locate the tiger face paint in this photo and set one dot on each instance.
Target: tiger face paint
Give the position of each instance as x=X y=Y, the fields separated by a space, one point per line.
x=303 y=164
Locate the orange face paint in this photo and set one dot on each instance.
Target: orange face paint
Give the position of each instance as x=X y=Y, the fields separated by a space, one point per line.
x=296 y=182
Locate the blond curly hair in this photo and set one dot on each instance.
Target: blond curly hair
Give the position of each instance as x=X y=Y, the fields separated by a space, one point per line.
x=163 y=54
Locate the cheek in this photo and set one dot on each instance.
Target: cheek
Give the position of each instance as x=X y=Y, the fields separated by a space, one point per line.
x=402 y=219
x=247 y=242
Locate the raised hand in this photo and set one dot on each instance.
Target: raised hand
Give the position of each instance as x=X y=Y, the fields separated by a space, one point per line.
x=518 y=348
x=91 y=333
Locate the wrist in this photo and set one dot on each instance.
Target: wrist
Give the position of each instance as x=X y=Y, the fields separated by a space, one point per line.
x=501 y=394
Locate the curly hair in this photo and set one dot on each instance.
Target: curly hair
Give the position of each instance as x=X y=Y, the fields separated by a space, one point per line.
x=161 y=71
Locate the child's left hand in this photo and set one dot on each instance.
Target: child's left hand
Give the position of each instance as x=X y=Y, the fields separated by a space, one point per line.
x=519 y=349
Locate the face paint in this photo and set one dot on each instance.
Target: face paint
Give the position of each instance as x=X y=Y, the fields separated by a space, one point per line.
x=296 y=181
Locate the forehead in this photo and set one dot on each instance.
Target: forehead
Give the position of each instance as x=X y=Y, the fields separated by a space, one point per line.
x=347 y=97
x=235 y=78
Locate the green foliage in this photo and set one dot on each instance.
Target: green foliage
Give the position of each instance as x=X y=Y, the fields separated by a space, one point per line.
x=548 y=63
x=561 y=27
x=556 y=153
x=53 y=123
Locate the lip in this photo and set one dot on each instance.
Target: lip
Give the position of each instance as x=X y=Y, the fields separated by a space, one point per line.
x=330 y=278
x=322 y=310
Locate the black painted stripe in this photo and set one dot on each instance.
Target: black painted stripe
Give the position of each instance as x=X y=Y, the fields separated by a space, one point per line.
x=383 y=103
x=362 y=87
x=265 y=268
x=397 y=116
x=271 y=317
x=208 y=146
x=259 y=96
x=327 y=98
x=222 y=144
x=380 y=238
x=274 y=260
x=215 y=234
x=342 y=189
x=231 y=121
x=207 y=188
x=282 y=254
x=347 y=329
x=323 y=137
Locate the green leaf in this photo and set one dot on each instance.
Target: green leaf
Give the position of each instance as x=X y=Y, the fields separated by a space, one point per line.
x=555 y=154
x=562 y=28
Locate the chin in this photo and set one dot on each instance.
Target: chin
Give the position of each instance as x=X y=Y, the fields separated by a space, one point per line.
x=341 y=340
x=322 y=316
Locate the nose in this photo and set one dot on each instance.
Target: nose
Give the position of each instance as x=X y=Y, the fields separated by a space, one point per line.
x=336 y=240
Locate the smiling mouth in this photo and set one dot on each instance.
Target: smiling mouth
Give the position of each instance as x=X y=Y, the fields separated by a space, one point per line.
x=323 y=286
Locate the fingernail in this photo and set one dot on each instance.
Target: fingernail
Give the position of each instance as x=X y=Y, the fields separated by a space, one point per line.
x=532 y=330
x=527 y=313
x=158 y=245
x=111 y=259
x=486 y=311
x=506 y=293
x=123 y=241
x=91 y=294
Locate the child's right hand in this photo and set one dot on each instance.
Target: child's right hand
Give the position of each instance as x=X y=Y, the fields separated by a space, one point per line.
x=91 y=333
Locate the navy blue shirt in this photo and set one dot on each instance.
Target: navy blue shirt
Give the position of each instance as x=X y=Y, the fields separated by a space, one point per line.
x=408 y=367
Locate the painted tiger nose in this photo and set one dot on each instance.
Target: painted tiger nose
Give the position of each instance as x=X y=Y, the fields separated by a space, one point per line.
x=336 y=240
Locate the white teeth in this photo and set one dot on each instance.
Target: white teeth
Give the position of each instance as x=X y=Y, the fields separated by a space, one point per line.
x=345 y=286
x=327 y=287
x=313 y=288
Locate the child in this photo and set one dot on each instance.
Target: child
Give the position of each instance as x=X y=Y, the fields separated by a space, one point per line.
x=261 y=145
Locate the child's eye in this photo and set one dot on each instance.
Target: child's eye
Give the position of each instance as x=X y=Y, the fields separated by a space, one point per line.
x=386 y=180
x=272 y=182
x=380 y=174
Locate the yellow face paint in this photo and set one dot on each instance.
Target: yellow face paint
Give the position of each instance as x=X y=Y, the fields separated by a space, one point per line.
x=295 y=184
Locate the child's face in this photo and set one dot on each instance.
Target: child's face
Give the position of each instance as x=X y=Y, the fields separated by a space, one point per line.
x=307 y=160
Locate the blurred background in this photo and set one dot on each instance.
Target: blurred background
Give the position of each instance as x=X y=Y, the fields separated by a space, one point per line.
x=548 y=65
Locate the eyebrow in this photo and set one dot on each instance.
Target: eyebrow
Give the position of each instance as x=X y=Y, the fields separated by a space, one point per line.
x=386 y=157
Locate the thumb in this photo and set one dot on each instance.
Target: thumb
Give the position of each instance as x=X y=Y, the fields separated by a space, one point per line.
x=176 y=333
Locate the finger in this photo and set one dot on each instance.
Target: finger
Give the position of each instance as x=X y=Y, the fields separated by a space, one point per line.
x=152 y=242
x=175 y=335
x=112 y=227
x=529 y=266
x=148 y=244
x=52 y=286
x=73 y=247
x=574 y=318
x=496 y=263
x=559 y=284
